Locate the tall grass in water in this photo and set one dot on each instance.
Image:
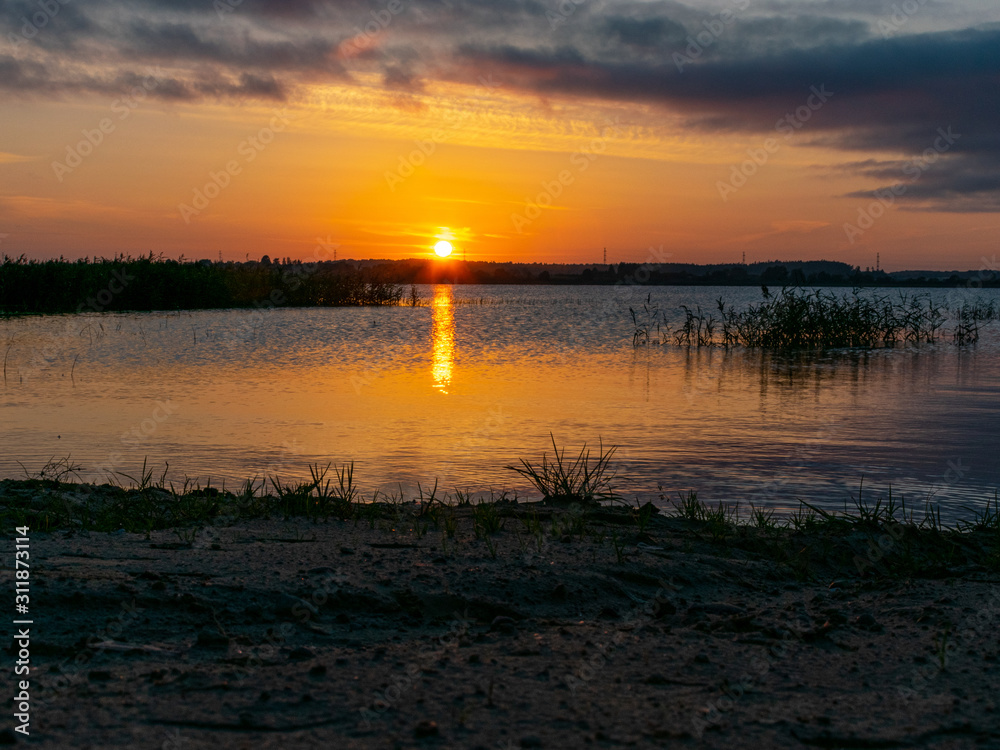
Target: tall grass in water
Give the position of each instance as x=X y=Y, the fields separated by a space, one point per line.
x=152 y=283
x=969 y=315
x=979 y=310
x=796 y=319
x=645 y=323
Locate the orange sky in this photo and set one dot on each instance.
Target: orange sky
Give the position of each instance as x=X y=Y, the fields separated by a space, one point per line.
x=506 y=171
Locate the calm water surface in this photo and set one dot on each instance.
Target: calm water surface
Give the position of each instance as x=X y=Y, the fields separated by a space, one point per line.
x=457 y=389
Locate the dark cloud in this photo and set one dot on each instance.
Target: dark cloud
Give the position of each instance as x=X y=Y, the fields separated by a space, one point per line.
x=35 y=80
x=935 y=180
x=182 y=42
x=773 y=35
x=886 y=95
x=396 y=77
x=644 y=33
x=740 y=66
x=248 y=86
x=907 y=65
x=31 y=20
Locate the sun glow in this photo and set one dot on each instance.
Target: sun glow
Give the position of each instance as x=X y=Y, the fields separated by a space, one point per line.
x=443 y=249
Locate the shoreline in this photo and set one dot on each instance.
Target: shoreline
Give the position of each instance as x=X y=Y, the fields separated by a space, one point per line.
x=512 y=625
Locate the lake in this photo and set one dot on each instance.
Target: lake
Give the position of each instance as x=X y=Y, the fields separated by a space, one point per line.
x=476 y=377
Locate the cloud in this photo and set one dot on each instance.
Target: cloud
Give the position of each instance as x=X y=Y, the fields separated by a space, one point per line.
x=930 y=181
x=644 y=33
x=886 y=96
x=8 y=158
x=37 y=80
x=721 y=66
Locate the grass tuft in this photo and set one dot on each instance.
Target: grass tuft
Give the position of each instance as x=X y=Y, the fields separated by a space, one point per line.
x=877 y=537
x=577 y=481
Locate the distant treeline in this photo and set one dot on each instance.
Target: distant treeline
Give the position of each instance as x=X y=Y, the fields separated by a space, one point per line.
x=153 y=283
x=808 y=273
x=776 y=273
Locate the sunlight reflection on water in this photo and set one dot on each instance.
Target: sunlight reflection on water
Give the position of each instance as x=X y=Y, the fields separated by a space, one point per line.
x=443 y=336
x=252 y=392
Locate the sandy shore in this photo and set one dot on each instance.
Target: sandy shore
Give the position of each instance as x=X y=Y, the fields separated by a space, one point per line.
x=390 y=634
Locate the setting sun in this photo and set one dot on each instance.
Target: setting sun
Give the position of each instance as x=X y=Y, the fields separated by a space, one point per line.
x=443 y=249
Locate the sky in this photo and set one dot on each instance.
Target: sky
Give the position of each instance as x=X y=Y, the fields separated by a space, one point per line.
x=518 y=130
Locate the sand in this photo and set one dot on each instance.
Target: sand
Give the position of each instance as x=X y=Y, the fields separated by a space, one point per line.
x=297 y=634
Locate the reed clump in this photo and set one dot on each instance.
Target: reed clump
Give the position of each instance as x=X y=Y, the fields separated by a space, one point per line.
x=579 y=480
x=969 y=316
x=799 y=319
x=979 y=310
x=124 y=283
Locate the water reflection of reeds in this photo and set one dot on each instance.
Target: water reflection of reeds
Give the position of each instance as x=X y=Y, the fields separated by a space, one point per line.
x=797 y=374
